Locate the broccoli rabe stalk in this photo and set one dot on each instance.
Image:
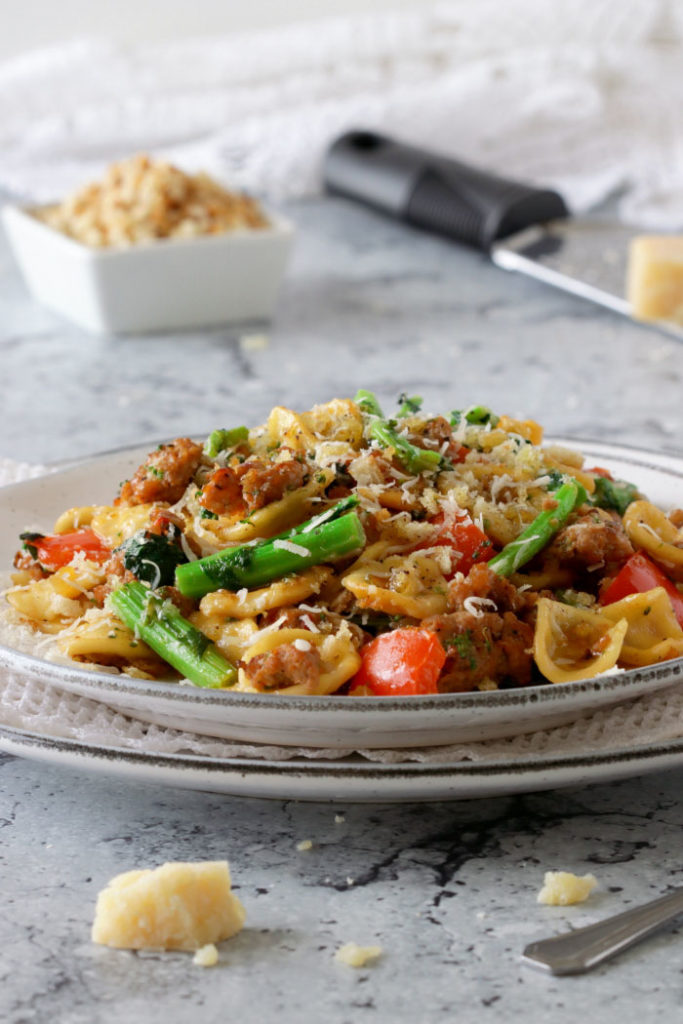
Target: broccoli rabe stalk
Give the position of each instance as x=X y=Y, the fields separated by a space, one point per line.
x=415 y=460
x=616 y=494
x=539 y=532
x=368 y=404
x=159 y=623
x=409 y=405
x=412 y=458
x=219 y=440
x=478 y=415
x=324 y=538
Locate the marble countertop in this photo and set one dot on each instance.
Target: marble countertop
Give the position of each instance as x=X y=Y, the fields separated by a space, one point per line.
x=447 y=889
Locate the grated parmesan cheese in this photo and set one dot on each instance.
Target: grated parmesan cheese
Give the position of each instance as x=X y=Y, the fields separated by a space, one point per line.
x=294 y=549
x=302 y=645
x=477 y=605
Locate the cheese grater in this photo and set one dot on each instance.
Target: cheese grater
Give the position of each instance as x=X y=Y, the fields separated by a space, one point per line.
x=521 y=227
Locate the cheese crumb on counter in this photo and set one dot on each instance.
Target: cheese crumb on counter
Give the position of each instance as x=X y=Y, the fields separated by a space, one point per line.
x=207 y=956
x=305 y=844
x=175 y=906
x=562 y=888
x=655 y=278
x=357 y=956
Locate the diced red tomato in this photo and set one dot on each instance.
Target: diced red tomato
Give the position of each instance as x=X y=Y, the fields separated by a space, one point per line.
x=463 y=536
x=402 y=663
x=457 y=452
x=638 y=575
x=599 y=471
x=58 y=549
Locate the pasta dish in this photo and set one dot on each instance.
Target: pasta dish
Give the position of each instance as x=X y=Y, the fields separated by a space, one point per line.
x=345 y=551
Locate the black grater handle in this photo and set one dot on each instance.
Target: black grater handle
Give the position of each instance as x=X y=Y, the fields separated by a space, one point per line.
x=435 y=192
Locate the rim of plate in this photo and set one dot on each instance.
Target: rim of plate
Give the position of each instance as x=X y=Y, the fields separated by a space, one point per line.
x=514 y=697
x=353 y=765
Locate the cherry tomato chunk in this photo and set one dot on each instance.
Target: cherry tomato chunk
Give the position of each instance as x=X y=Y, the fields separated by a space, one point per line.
x=465 y=537
x=58 y=549
x=638 y=575
x=402 y=663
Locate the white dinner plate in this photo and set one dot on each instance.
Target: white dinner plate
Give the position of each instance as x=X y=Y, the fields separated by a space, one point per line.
x=328 y=722
x=349 y=779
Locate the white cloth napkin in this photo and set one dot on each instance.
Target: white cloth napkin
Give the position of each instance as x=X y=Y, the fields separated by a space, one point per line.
x=583 y=95
x=30 y=704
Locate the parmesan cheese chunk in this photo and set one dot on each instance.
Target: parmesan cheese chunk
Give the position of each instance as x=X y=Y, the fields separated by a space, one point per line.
x=175 y=906
x=562 y=888
x=357 y=956
x=655 y=278
x=207 y=956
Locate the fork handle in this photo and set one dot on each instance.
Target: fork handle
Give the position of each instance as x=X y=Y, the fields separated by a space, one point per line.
x=584 y=948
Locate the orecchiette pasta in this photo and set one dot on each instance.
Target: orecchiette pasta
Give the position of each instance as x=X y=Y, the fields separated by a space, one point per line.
x=574 y=643
x=649 y=529
x=653 y=632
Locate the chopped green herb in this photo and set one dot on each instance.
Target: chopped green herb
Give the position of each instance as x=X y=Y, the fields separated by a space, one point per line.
x=408 y=405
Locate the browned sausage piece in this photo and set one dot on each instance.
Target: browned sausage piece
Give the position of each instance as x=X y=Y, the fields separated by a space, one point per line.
x=264 y=482
x=484 y=637
x=284 y=666
x=222 y=492
x=251 y=485
x=596 y=538
x=164 y=475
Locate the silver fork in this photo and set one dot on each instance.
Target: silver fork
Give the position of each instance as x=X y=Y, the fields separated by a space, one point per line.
x=584 y=948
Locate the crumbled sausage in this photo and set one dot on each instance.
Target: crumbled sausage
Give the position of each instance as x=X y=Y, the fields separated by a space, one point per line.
x=265 y=482
x=439 y=430
x=248 y=486
x=164 y=475
x=116 y=574
x=484 y=641
x=483 y=647
x=323 y=622
x=596 y=538
x=222 y=492
x=285 y=666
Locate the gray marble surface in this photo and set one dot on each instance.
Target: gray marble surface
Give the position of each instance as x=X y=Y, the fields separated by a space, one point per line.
x=448 y=890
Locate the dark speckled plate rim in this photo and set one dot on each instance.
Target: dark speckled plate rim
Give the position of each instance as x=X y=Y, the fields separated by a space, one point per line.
x=622 y=683
x=355 y=766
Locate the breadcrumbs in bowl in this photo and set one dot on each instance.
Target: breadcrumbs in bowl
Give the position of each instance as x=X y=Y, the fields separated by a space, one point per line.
x=141 y=200
x=151 y=248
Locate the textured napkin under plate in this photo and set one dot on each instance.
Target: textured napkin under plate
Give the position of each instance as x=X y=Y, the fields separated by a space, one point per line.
x=42 y=708
x=583 y=95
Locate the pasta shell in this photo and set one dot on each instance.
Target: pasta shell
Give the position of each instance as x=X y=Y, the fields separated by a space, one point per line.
x=575 y=643
x=339 y=658
x=648 y=528
x=653 y=632
x=280 y=594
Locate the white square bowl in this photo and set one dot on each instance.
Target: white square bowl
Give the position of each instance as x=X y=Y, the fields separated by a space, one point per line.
x=162 y=285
